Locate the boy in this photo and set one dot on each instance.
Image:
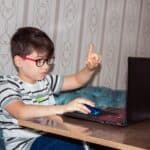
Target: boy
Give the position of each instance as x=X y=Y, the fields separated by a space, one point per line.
x=29 y=94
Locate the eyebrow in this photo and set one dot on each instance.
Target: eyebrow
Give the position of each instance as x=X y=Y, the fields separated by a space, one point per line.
x=41 y=57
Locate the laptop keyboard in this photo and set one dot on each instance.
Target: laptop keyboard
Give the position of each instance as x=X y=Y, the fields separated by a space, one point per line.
x=108 y=116
x=88 y=116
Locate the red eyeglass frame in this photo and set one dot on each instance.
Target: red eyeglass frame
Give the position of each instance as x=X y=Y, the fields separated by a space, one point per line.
x=36 y=60
x=28 y=58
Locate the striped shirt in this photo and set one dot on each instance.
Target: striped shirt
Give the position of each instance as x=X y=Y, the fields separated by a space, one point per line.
x=41 y=93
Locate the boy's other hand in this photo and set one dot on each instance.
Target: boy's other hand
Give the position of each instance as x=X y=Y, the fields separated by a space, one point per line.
x=93 y=59
x=78 y=105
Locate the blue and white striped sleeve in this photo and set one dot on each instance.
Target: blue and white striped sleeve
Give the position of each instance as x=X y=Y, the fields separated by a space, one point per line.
x=9 y=91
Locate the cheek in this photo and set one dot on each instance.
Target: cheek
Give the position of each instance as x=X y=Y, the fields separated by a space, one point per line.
x=30 y=68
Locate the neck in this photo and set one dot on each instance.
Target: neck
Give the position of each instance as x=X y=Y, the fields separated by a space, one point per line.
x=26 y=79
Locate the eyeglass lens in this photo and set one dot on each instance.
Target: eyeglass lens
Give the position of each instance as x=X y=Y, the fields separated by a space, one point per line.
x=41 y=62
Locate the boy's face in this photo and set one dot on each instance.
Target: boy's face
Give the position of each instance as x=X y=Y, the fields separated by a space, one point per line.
x=33 y=67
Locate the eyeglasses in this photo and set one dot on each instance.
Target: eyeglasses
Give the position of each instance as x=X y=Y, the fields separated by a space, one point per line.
x=40 y=62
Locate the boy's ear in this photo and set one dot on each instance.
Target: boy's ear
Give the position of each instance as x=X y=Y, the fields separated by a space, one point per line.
x=18 y=61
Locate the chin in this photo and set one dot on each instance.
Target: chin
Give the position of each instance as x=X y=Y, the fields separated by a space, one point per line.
x=41 y=78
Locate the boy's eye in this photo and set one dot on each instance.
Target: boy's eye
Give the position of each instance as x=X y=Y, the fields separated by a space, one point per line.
x=40 y=62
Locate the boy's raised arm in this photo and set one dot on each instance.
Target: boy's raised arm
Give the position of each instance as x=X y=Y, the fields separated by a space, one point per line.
x=83 y=76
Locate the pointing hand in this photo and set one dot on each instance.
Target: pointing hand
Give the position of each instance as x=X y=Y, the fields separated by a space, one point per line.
x=93 y=60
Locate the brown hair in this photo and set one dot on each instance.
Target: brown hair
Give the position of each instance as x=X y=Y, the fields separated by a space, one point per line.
x=27 y=39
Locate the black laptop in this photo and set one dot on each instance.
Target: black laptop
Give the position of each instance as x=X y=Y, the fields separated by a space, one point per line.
x=138 y=98
x=137 y=105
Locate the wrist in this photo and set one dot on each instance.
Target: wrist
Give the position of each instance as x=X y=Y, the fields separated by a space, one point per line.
x=89 y=69
x=60 y=109
x=55 y=109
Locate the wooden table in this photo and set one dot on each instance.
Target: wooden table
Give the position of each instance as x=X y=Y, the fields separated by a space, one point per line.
x=133 y=137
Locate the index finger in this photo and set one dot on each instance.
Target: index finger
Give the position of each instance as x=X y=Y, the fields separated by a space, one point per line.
x=86 y=101
x=91 y=49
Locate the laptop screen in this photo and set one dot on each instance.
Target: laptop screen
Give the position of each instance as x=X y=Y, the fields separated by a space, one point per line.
x=138 y=97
